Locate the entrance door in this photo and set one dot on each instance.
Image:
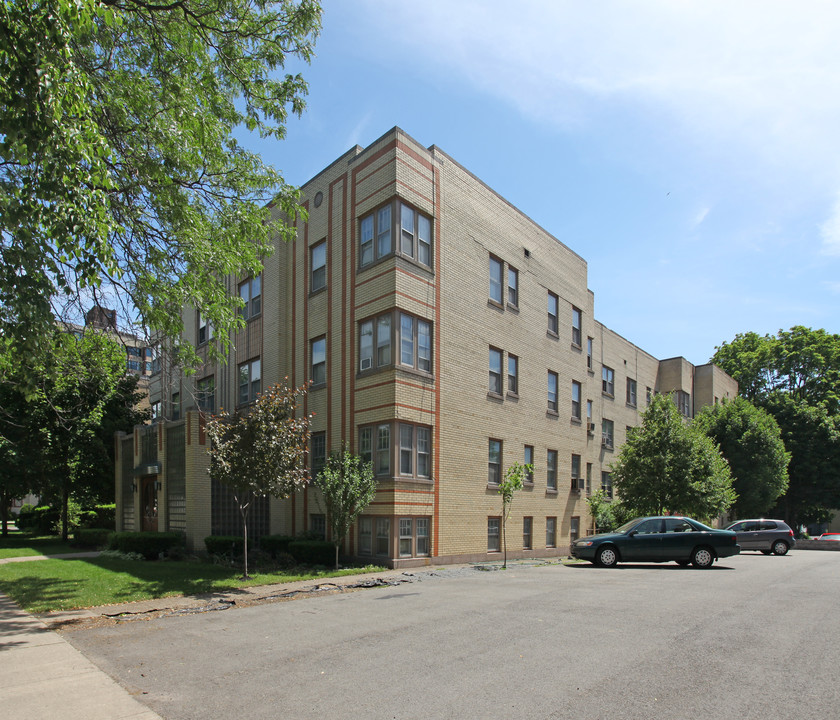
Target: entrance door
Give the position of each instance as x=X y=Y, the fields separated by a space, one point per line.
x=149 y=503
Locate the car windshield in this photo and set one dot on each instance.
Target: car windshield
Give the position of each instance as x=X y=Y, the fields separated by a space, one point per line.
x=628 y=526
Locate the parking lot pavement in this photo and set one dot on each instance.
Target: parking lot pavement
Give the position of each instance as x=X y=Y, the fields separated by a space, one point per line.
x=42 y=676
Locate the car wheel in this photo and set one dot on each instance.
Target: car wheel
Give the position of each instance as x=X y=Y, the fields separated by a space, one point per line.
x=702 y=557
x=780 y=547
x=607 y=556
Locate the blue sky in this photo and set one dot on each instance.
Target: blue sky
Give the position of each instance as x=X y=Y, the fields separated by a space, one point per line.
x=688 y=151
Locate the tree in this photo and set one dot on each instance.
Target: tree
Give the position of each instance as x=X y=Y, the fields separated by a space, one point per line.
x=749 y=358
x=263 y=451
x=347 y=486
x=812 y=437
x=511 y=482
x=801 y=362
x=52 y=412
x=750 y=440
x=668 y=465
x=120 y=168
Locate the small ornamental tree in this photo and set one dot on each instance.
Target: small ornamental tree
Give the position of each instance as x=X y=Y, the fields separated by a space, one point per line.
x=514 y=478
x=347 y=486
x=261 y=452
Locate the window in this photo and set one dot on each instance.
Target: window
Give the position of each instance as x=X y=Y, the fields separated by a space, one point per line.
x=513 y=375
x=375 y=342
x=154 y=354
x=527 y=532
x=552 y=391
x=318 y=453
x=631 y=392
x=205 y=330
x=176 y=406
x=576 y=326
x=415 y=343
x=406 y=537
x=414 y=449
x=383 y=340
x=551 y=469
x=495 y=280
x=421 y=536
x=250 y=293
x=318 y=373
x=495 y=385
x=513 y=287
x=607 y=433
x=606 y=484
x=206 y=394
x=318 y=526
x=493 y=526
x=365 y=536
x=249 y=381
x=588 y=353
x=589 y=412
x=415 y=235
x=552 y=313
x=375 y=236
x=684 y=403
x=608 y=381
x=155 y=407
x=588 y=479
x=366 y=345
x=575 y=467
x=551 y=532
x=318 y=273
x=575 y=400
x=383 y=450
x=383 y=536
x=494 y=462
x=649 y=395
x=529 y=460
x=574 y=529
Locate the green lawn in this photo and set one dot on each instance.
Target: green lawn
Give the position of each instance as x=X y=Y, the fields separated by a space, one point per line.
x=43 y=585
x=18 y=544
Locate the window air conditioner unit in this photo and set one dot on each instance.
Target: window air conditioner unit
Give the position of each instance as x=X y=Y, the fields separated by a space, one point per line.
x=606 y=441
x=591 y=428
x=365 y=364
x=575 y=484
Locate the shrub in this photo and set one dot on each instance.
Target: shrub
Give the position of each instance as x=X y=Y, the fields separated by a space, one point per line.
x=313 y=552
x=42 y=520
x=149 y=544
x=276 y=545
x=226 y=545
x=91 y=537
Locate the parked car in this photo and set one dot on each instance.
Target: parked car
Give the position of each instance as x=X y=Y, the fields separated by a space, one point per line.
x=830 y=536
x=768 y=536
x=658 y=539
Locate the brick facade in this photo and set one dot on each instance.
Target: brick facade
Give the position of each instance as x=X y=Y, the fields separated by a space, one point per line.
x=432 y=289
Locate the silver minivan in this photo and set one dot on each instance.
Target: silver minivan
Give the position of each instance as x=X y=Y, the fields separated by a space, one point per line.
x=768 y=536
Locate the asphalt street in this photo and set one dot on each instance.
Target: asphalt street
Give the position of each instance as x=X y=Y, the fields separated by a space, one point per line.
x=755 y=636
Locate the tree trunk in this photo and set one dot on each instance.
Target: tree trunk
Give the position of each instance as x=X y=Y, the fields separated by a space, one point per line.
x=65 y=502
x=4 y=512
x=336 y=556
x=504 y=539
x=243 y=509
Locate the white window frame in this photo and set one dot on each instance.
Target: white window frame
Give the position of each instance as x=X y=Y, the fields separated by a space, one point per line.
x=553 y=310
x=496 y=273
x=318 y=361
x=608 y=381
x=251 y=293
x=253 y=381
x=318 y=266
x=495 y=386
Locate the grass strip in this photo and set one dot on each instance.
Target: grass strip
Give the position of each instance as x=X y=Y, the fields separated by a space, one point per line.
x=18 y=544
x=69 y=584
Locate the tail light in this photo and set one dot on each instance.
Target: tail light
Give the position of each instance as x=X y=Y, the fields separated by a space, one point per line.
x=790 y=532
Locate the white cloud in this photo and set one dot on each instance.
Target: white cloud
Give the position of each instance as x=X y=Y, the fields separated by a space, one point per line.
x=700 y=217
x=830 y=231
x=756 y=75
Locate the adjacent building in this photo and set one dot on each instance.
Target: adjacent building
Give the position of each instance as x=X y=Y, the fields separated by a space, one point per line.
x=446 y=335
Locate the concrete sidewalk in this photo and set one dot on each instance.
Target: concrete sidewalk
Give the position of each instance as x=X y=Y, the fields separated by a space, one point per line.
x=43 y=677
x=63 y=556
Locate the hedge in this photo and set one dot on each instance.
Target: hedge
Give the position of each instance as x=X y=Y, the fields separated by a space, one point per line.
x=276 y=545
x=313 y=552
x=148 y=544
x=91 y=537
x=231 y=545
x=41 y=520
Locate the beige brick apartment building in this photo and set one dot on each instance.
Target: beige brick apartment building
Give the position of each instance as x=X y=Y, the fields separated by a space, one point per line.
x=447 y=335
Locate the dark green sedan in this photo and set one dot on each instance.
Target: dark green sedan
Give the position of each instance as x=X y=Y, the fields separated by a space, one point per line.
x=658 y=539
